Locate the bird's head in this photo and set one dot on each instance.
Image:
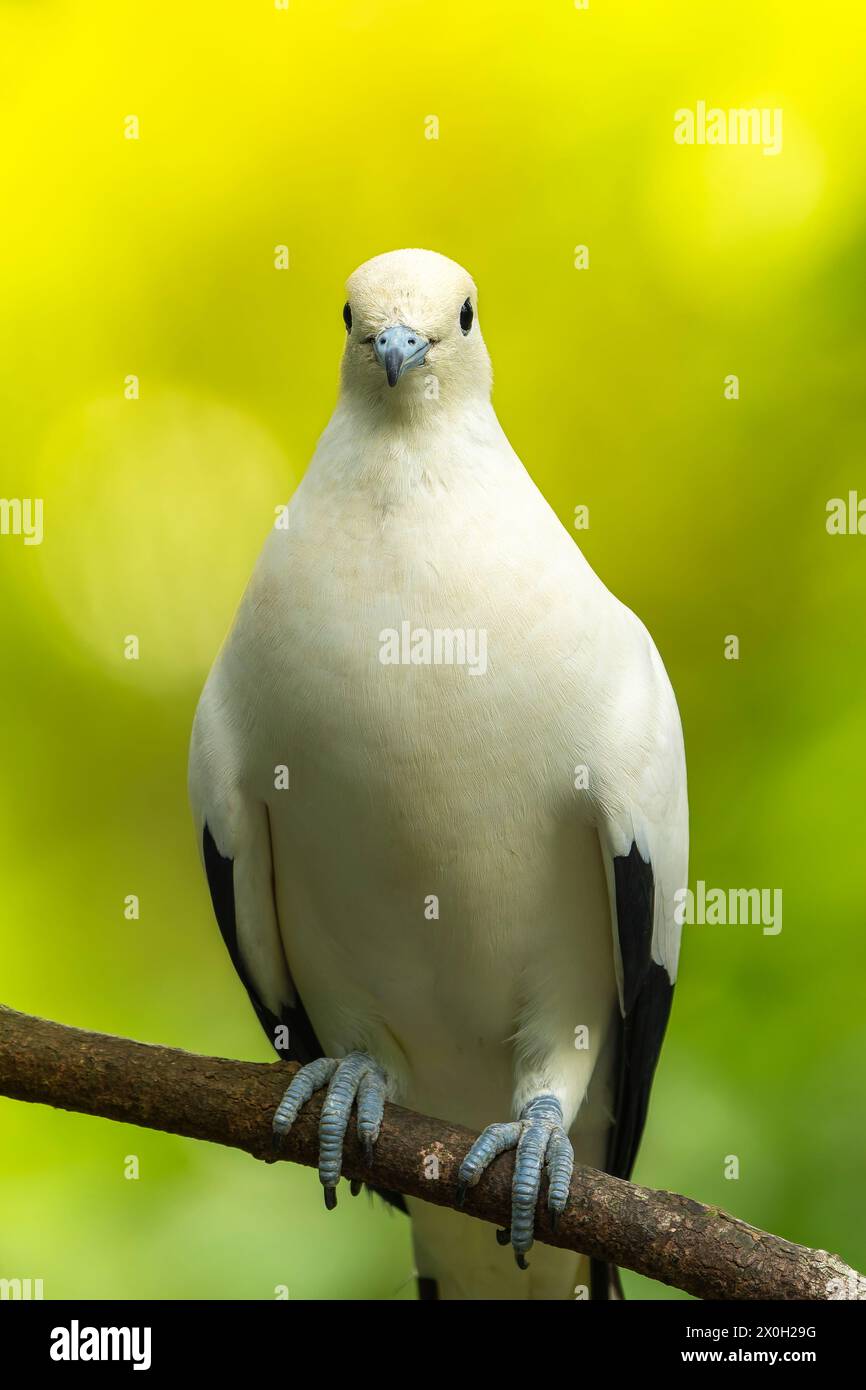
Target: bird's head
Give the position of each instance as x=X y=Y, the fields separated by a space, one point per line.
x=412 y=333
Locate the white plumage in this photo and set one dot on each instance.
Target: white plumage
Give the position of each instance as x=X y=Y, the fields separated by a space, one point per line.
x=408 y=781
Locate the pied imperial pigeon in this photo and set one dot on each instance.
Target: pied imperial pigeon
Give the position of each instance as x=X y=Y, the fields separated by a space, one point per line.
x=439 y=789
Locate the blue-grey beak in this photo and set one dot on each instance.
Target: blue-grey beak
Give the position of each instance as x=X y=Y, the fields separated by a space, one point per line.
x=398 y=349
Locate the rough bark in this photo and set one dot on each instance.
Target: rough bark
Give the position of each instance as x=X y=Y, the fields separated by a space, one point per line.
x=674 y=1239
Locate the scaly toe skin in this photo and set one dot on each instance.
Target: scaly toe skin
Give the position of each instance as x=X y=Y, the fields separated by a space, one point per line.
x=494 y=1141
x=371 y=1106
x=540 y=1140
x=354 y=1077
x=309 y=1079
x=559 y=1162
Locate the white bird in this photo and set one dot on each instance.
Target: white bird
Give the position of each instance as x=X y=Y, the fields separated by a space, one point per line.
x=464 y=898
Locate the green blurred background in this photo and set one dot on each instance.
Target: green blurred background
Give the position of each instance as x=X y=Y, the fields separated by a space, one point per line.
x=155 y=257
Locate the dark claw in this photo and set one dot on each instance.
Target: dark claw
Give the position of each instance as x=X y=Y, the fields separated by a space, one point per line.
x=554 y=1220
x=504 y=1237
x=355 y=1187
x=521 y=1261
x=461 y=1194
x=368 y=1152
x=330 y=1198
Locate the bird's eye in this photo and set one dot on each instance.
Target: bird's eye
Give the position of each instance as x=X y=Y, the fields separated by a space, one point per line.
x=347 y=317
x=467 y=314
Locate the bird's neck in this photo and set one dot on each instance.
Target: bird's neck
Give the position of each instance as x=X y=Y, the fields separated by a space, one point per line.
x=394 y=452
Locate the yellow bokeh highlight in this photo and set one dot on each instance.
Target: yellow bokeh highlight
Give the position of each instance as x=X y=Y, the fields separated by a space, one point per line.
x=155 y=511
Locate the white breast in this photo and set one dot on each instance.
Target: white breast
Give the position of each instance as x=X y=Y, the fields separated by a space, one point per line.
x=425 y=789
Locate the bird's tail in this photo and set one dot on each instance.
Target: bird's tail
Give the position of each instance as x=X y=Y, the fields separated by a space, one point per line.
x=605 y=1285
x=458 y=1258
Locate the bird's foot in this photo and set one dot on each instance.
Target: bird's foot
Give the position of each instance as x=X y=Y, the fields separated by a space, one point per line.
x=540 y=1141
x=355 y=1077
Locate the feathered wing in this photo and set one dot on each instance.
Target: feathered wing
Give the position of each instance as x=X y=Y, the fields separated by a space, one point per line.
x=234 y=841
x=644 y=846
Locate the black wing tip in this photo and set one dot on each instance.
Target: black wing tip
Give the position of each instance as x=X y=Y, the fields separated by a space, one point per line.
x=647 y=996
x=303 y=1045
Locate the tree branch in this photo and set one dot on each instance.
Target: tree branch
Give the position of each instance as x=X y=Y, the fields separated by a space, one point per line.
x=667 y=1237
